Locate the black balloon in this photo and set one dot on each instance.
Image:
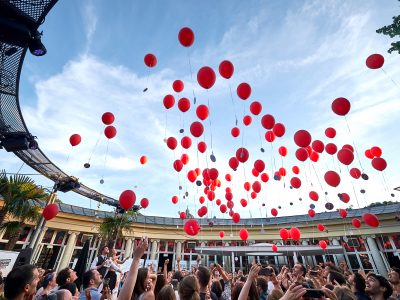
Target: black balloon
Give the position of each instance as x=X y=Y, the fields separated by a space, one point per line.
x=364 y=176
x=87 y=165
x=198 y=182
x=329 y=206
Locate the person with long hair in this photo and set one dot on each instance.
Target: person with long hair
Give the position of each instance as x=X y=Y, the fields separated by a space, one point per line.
x=189 y=288
x=145 y=284
x=166 y=293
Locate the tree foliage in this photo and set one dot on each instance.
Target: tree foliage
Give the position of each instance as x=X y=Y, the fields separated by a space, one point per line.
x=112 y=227
x=392 y=30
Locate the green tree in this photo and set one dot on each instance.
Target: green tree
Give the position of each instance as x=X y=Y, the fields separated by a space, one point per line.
x=112 y=227
x=16 y=191
x=392 y=30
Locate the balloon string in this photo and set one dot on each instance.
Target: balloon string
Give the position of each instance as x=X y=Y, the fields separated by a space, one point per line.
x=191 y=78
x=69 y=154
x=354 y=144
x=233 y=104
x=105 y=158
x=395 y=83
x=97 y=142
x=210 y=123
x=319 y=181
x=166 y=124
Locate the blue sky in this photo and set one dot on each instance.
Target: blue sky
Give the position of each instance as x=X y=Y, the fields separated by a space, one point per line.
x=298 y=56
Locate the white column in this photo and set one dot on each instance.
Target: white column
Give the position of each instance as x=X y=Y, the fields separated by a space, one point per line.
x=340 y=257
x=376 y=256
x=128 y=248
x=69 y=249
x=233 y=262
x=281 y=258
x=154 y=248
x=178 y=250
x=295 y=260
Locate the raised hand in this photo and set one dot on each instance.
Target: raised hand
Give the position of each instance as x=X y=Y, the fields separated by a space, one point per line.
x=294 y=292
x=141 y=248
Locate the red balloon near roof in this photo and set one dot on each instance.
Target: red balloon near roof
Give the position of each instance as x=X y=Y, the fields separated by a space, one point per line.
x=186 y=37
x=127 y=199
x=274 y=248
x=370 y=219
x=226 y=69
x=284 y=234
x=75 y=140
x=356 y=223
x=50 y=211
x=321 y=227
x=221 y=234
x=274 y=212
x=341 y=106
x=144 y=202
x=191 y=227
x=244 y=234
x=206 y=77
x=375 y=61
x=150 y=60
x=323 y=244
x=182 y=215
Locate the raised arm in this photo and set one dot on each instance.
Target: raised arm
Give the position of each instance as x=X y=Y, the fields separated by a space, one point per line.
x=165 y=269
x=244 y=293
x=222 y=272
x=178 y=260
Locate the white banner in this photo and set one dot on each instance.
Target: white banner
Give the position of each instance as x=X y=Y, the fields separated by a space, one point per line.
x=125 y=267
x=183 y=264
x=7 y=261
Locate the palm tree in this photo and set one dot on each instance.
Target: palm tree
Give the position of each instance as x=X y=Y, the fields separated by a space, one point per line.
x=112 y=228
x=15 y=192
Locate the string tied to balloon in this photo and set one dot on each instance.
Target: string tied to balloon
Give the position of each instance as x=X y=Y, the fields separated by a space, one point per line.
x=150 y=60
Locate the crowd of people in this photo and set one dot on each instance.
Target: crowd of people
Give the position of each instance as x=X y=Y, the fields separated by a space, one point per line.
x=104 y=280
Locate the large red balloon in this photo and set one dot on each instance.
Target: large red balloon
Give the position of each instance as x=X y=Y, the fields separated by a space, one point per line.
x=196 y=129
x=256 y=186
x=191 y=227
x=341 y=106
x=50 y=211
x=178 y=86
x=186 y=142
x=332 y=178
x=144 y=202
x=244 y=234
x=284 y=234
x=345 y=156
x=202 y=112
x=178 y=165
x=379 y=163
x=356 y=223
x=268 y=121
x=368 y=154
x=226 y=69
x=172 y=143
x=127 y=199
x=370 y=219
x=186 y=37
x=107 y=118
x=318 y=146
x=330 y=132
x=169 y=101
x=202 y=147
x=376 y=151
x=233 y=163
x=75 y=140
x=184 y=104
x=243 y=90
x=330 y=148
x=375 y=61
x=255 y=108
x=150 y=60
x=279 y=129
x=110 y=132
x=206 y=77
x=355 y=173
x=270 y=136
x=242 y=155
x=301 y=154
x=302 y=138
x=295 y=182
x=295 y=233
x=259 y=165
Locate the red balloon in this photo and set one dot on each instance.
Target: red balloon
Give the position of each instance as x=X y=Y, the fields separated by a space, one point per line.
x=110 y=132
x=282 y=172
x=330 y=148
x=345 y=156
x=107 y=118
x=302 y=138
x=332 y=178
x=186 y=37
x=314 y=156
x=274 y=248
x=223 y=208
x=259 y=165
x=226 y=69
x=192 y=175
x=253 y=195
x=264 y=177
x=270 y=136
x=182 y=215
x=247 y=120
x=349 y=147
x=318 y=146
x=191 y=227
x=255 y=172
x=206 y=77
x=144 y=203
x=75 y=140
x=218 y=202
x=370 y=219
x=274 y=212
x=169 y=101
x=242 y=155
x=231 y=213
x=150 y=60
x=282 y=150
x=368 y=154
x=376 y=151
x=313 y=196
x=243 y=202
x=296 y=170
x=186 y=142
x=235 y=131
x=202 y=112
x=341 y=106
x=355 y=173
x=284 y=234
x=379 y=163
x=247 y=186
x=202 y=147
x=345 y=197
x=221 y=234
x=211 y=195
x=255 y=108
x=301 y=154
x=343 y=213
x=256 y=186
x=311 y=213
x=185 y=159
x=184 y=104
x=279 y=129
x=244 y=234
x=322 y=244
x=233 y=163
x=175 y=199
x=268 y=121
x=50 y=211
x=172 y=143
x=143 y=159
x=295 y=182
x=295 y=233
x=356 y=223
x=321 y=227
x=213 y=173
x=196 y=129
x=330 y=132
x=375 y=61
x=127 y=199
x=236 y=217
x=178 y=165
x=178 y=86
x=228 y=177
x=243 y=90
